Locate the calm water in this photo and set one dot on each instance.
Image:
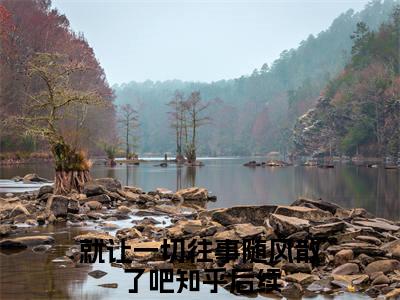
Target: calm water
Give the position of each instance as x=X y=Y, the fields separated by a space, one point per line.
x=29 y=275
x=375 y=189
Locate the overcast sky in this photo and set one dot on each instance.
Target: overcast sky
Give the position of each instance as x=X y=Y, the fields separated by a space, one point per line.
x=195 y=40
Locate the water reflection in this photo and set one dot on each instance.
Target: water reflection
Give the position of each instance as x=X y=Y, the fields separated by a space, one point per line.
x=376 y=189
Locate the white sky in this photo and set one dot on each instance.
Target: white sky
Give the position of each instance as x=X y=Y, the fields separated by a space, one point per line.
x=195 y=40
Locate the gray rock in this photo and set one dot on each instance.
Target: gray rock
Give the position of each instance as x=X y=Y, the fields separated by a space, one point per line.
x=45 y=189
x=26 y=241
x=255 y=215
x=34 y=178
x=97 y=274
x=326 y=230
x=343 y=256
x=292 y=290
x=381 y=279
x=296 y=267
x=103 y=199
x=110 y=184
x=284 y=225
x=301 y=212
x=92 y=189
x=378 y=225
x=18 y=210
x=327 y=206
x=109 y=285
x=385 y=266
x=346 y=269
x=58 y=205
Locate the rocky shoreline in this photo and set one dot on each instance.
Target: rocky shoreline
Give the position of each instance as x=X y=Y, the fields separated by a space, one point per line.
x=359 y=253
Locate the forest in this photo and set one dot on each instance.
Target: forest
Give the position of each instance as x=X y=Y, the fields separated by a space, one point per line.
x=27 y=29
x=253 y=114
x=256 y=113
x=359 y=111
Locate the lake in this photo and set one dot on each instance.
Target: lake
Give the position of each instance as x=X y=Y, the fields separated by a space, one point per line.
x=375 y=189
x=30 y=275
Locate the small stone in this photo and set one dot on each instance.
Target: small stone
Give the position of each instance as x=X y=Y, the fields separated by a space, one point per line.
x=381 y=279
x=94 y=205
x=45 y=189
x=385 y=266
x=109 y=285
x=301 y=278
x=292 y=290
x=18 y=210
x=343 y=256
x=97 y=274
x=296 y=267
x=346 y=269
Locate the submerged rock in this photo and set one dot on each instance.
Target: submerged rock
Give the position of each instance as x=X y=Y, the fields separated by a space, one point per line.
x=97 y=274
x=26 y=241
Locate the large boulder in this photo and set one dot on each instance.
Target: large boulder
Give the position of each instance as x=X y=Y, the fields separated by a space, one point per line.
x=110 y=184
x=193 y=193
x=58 y=205
x=327 y=230
x=393 y=248
x=34 y=178
x=346 y=269
x=252 y=214
x=104 y=199
x=93 y=189
x=384 y=265
x=19 y=209
x=377 y=224
x=326 y=206
x=284 y=225
x=306 y=213
x=45 y=189
x=246 y=231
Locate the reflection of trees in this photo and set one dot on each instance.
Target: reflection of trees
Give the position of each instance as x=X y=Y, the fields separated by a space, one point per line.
x=377 y=190
x=190 y=177
x=178 y=177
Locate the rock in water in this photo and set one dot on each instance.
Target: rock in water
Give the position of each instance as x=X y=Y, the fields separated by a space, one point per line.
x=284 y=225
x=58 y=205
x=193 y=193
x=97 y=274
x=110 y=184
x=253 y=214
x=306 y=213
x=26 y=241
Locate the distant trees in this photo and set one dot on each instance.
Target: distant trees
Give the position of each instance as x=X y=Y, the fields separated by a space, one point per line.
x=128 y=120
x=363 y=106
x=45 y=111
x=305 y=71
x=177 y=118
x=186 y=117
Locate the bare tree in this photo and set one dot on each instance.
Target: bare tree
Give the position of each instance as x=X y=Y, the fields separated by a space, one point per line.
x=128 y=118
x=52 y=103
x=178 y=122
x=195 y=113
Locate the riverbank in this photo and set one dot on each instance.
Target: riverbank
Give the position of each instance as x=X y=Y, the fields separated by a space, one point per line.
x=359 y=253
